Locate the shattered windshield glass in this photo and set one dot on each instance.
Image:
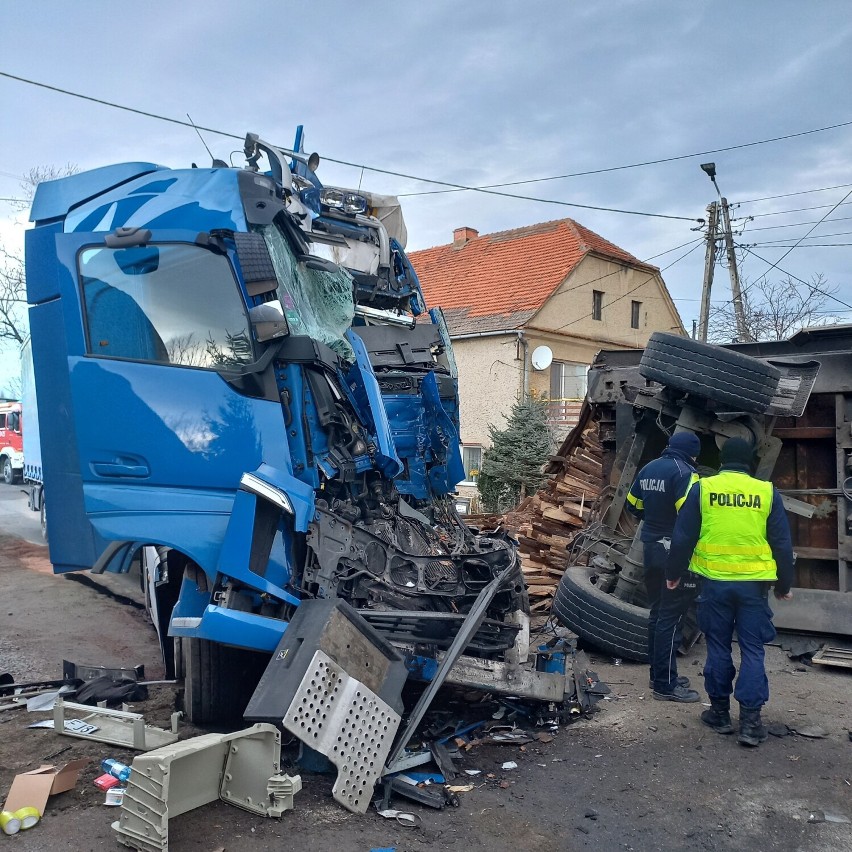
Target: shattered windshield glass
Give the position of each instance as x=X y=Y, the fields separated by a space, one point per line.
x=318 y=304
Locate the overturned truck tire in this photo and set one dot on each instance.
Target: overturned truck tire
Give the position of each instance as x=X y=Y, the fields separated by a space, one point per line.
x=607 y=622
x=712 y=372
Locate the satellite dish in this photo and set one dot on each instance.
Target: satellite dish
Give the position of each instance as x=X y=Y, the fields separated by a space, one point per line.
x=542 y=357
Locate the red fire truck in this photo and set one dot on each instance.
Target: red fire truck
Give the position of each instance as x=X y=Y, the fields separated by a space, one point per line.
x=11 y=442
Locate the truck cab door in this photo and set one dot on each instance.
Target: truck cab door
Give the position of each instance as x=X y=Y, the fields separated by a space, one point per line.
x=142 y=437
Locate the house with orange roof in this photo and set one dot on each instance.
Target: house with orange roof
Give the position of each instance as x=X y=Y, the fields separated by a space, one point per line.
x=528 y=309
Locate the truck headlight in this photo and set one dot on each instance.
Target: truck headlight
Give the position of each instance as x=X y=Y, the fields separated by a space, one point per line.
x=338 y=199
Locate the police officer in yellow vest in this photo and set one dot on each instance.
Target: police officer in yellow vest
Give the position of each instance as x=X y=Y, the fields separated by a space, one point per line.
x=732 y=530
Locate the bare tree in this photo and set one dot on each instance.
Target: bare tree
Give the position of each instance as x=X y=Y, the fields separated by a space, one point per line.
x=13 y=289
x=38 y=174
x=13 y=298
x=774 y=310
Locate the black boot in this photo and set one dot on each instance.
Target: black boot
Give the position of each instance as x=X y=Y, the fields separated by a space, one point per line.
x=752 y=730
x=718 y=717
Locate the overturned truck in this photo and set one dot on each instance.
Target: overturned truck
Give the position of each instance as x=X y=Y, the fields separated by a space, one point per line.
x=791 y=399
x=248 y=392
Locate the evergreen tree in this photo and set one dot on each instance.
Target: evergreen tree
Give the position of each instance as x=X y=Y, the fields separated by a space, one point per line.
x=511 y=466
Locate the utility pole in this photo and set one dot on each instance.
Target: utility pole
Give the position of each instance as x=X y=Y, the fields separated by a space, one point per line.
x=709 y=266
x=743 y=335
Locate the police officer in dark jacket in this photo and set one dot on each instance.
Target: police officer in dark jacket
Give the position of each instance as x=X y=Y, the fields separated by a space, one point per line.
x=655 y=496
x=732 y=531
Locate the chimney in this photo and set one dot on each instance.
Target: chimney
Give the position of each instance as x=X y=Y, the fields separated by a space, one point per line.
x=462 y=236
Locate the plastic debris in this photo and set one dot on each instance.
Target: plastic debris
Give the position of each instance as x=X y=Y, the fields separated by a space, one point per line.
x=404 y=818
x=115 y=797
x=509 y=764
x=827 y=816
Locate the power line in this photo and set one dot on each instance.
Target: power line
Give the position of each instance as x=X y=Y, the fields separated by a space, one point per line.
x=793 y=224
x=794 y=210
x=812 y=287
x=643 y=163
x=454 y=186
x=790 y=194
x=775 y=265
x=816 y=237
x=774 y=244
x=632 y=289
x=616 y=271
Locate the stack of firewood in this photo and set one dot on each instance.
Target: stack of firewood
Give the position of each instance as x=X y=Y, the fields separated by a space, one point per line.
x=549 y=520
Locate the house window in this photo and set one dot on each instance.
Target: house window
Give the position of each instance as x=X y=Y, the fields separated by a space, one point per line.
x=463 y=505
x=635 y=308
x=472 y=461
x=567 y=381
x=597 y=304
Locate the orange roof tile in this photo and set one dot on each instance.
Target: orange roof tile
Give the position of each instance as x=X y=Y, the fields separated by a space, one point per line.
x=509 y=274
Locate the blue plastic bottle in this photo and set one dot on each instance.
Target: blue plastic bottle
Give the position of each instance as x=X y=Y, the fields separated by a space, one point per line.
x=116 y=769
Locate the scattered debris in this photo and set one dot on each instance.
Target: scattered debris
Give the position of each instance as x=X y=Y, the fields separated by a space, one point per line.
x=405 y=818
x=32 y=789
x=241 y=768
x=827 y=816
x=117 y=727
x=806 y=730
x=778 y=729
x=828 y=656
x=509 y=764
x=115 y=797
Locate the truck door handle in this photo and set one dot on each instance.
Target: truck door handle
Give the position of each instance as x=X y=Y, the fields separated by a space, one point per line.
x=113 y=469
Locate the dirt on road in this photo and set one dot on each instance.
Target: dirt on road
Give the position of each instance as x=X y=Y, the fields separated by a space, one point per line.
x=639 y=775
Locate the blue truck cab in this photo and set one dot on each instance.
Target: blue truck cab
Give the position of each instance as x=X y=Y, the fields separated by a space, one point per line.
x=246 y=388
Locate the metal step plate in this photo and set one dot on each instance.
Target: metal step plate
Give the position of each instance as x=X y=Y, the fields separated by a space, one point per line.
x=341 y=718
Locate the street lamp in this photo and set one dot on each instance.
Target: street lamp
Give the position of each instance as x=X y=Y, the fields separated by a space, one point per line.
x=739 y=313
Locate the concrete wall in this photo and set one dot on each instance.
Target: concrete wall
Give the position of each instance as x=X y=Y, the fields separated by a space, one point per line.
x=489 y=383
x=569 y=310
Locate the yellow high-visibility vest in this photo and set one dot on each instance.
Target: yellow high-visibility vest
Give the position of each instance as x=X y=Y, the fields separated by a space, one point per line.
x=732 y=544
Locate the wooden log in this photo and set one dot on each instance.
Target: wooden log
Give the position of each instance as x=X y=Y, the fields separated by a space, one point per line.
x=562 y=517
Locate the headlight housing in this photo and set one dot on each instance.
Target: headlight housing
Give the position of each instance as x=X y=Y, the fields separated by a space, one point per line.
x=340 y=199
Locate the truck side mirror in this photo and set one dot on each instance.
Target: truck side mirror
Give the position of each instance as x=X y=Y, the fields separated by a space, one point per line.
x=268 y=321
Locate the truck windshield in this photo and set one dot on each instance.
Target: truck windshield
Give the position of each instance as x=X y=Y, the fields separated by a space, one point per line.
x=173 y=303
x=318 y=304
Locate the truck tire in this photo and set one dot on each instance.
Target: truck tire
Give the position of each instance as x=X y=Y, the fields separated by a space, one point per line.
x=218 y=680
x=43 y=518
x=607 y=622
x=713 y=372
x=8 y=472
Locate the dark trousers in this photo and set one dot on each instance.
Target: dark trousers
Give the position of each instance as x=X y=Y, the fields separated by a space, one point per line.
x=725 y=606
x=665 y=620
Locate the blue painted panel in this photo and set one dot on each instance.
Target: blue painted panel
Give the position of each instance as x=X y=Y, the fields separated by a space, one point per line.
x=187 y=199
x=54 y=198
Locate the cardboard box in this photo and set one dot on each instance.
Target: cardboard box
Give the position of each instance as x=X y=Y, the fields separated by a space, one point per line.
x=32 y=789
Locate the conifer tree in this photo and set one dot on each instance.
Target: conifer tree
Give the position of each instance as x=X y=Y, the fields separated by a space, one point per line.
x=511 y=466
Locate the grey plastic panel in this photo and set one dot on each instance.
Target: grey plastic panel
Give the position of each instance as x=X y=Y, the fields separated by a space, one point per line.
x=341 y=718
x=175 y=779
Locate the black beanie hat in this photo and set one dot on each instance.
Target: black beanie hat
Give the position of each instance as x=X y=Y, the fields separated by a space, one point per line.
x=737 y=452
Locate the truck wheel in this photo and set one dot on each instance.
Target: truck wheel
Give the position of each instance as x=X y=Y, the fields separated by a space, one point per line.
x=43 y=520
x=218 y=680
x=8 y=472
x=713 y=372
x=607 y=622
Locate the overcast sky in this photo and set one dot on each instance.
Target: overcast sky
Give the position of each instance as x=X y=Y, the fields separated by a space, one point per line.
x=474 y=93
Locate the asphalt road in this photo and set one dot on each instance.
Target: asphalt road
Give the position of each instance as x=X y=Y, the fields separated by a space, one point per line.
x=16 y=518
